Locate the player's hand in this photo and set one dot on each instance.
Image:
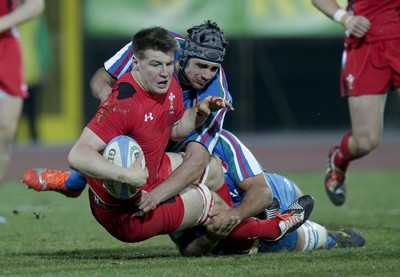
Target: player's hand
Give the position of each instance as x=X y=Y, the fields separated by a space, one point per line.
x=358 y=26
x=211 y=104
x=146 y=202
x=136 y=175
x=221 y=223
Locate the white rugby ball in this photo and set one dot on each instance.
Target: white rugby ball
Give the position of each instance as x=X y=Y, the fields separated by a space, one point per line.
x=122 y=151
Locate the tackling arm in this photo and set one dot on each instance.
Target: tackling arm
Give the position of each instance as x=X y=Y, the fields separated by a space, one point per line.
x=195 y=117
x=258 y=196
x=195 y=160
x=101 y=84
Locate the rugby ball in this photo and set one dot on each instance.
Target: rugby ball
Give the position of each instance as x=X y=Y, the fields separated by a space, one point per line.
x=121 y=151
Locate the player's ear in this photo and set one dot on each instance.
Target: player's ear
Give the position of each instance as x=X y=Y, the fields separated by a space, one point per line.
x=135 y=64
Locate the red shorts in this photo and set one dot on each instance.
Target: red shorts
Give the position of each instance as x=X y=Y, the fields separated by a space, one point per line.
x=121 y=224
x=11 y=69
x=117 y=216
x=370 y=68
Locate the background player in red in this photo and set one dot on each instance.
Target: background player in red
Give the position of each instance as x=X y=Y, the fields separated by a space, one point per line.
x=370 y=67
x=12 y=83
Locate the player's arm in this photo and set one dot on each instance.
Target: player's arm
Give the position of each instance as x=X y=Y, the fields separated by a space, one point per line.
x=356 y=25
x=195 y=117
x=101 y=84
x=258 y=196
x=85 y=158
x=104 y=78
x=195 y=160
x=25 y=11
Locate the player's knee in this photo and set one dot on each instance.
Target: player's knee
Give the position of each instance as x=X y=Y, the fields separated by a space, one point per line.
x=365 y=144
x=7 y=131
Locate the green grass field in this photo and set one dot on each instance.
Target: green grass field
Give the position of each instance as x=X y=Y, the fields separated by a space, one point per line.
x=46 y=234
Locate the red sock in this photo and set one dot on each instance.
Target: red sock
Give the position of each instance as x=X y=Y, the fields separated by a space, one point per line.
x=223 y=191
x=343 y=157
x=253 y=228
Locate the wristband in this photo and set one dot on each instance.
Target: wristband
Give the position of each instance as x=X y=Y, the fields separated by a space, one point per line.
x=341 y=16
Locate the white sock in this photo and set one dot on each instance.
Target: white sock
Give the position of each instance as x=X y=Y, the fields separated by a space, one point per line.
x=315 y=235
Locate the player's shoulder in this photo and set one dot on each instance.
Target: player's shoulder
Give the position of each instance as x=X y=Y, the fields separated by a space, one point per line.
x=123 y=91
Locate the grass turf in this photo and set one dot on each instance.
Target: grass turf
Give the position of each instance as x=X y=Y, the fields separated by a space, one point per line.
x=47 y=234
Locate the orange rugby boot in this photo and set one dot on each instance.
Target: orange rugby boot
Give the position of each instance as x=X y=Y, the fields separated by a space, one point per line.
x=43 y=179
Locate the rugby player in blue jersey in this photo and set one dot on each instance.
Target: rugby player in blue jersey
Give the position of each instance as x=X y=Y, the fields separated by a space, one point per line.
x=242 y=170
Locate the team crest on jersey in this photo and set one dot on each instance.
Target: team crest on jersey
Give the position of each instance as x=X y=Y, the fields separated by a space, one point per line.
x=350 y=79
x=171 y=98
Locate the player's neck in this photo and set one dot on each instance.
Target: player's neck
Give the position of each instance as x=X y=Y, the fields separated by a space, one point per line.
x=183 y=80
x=136 y=76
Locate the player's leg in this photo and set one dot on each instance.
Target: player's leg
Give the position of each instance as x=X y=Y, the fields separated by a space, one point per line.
x=366 y=113
x=10 y=111
x=214 y=180
x=197 y=203
x=312 y=236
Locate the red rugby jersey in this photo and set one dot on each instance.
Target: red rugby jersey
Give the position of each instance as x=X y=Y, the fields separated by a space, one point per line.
x=147 y=118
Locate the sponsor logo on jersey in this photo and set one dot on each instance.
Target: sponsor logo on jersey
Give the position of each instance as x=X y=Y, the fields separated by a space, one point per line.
x=148 y=116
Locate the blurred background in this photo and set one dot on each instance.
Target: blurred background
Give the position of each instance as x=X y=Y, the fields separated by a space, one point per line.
x=282 y=62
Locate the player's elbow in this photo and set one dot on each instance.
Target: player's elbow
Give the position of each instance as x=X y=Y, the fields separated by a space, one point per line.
x=73 y=159
x=198 y=160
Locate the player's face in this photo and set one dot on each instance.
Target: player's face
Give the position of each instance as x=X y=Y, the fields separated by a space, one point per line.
x=155 y=71
x=200 y=72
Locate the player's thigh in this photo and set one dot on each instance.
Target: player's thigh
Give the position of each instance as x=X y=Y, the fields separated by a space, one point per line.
x=10 y=111
x=366 y=113
x=214 y=175
x=197 y=202
x=176 y=159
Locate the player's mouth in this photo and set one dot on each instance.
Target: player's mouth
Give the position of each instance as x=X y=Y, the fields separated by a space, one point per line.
x=163 y=84
x=201 y=83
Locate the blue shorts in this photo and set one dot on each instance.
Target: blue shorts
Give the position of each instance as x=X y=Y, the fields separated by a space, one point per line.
x=285 y=190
